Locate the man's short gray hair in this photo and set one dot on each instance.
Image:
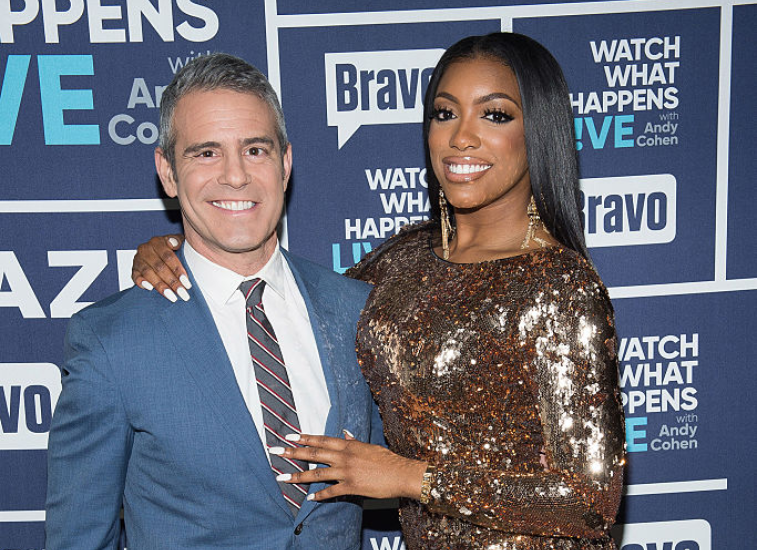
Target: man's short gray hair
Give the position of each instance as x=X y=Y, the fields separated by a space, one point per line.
x=212 y=72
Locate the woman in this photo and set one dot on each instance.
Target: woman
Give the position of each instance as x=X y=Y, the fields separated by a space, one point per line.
x=488 y=339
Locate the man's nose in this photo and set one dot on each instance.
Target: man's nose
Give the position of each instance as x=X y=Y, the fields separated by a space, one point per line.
x=235 y=172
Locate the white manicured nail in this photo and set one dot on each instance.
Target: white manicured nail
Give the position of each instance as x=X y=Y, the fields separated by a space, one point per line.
x=311 y=497
x=185 y=281
x=292 y=437
x=168 y=293
x=276 y=451
x=183 y=294
x=283 y=477
x=348 y=433
x=173 y=242
x=146 y=285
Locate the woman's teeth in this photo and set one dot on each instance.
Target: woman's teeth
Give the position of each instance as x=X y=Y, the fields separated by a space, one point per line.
x=468 y=168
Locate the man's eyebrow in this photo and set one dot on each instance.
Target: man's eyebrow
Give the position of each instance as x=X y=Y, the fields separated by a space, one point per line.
x=195 y=148
x=259 y=139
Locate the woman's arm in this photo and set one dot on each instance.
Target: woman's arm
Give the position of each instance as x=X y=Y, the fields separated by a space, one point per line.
x=573 y=491
x=576 y=492
x=356 y=468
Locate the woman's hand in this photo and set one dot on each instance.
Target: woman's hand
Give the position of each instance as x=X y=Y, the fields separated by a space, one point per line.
x=357 y=468
x=157 y=266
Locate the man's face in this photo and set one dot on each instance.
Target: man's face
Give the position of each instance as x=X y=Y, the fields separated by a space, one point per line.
x=230 y=176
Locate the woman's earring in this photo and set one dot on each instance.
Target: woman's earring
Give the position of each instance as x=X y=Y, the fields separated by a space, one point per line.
x=446 y=225
x=534 y=224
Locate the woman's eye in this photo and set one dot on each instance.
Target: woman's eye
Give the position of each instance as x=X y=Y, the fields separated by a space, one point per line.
x=498 y=117
x=441 y=114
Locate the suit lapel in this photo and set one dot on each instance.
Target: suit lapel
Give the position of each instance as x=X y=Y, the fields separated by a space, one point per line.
x=191 y=327
x=319 y=303
x=320 y=306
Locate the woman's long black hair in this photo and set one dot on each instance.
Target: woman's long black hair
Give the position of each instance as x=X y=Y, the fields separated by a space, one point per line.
x=548 y=125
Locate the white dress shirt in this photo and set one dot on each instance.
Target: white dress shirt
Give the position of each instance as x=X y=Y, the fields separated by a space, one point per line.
x=286 y=311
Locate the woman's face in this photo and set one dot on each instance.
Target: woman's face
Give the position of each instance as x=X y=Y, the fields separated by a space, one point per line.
x=476 y=138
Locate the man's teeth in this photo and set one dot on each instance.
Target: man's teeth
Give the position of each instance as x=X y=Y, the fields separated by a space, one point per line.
x=234 y=205
x=468 y=168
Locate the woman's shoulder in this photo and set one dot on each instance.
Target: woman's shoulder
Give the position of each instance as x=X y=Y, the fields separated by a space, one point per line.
x=563 y=260
x=564 y=269
x=398 y=248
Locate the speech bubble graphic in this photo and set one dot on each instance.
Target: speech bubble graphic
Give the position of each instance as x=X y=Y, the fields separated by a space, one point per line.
x=629 y=210
x=384 y=87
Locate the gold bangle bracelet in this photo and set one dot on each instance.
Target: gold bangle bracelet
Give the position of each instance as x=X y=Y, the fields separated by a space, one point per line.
x=428 y=477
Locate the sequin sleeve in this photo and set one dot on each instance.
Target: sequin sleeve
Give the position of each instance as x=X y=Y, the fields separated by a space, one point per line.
x=370 y=268
x=567 y=333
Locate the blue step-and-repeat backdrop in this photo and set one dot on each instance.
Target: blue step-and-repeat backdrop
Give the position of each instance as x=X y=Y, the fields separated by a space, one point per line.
x=664 y=95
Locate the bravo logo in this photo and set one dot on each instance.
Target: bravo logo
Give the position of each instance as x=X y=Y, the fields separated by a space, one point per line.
x=386 y=87
x=692 y=534
x=28 y=395
x=632 y=210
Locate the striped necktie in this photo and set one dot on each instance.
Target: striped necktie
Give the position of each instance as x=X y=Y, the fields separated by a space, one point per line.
x=276 y=399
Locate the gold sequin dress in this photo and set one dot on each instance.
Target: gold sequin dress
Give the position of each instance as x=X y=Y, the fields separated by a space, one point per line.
x=503 y=376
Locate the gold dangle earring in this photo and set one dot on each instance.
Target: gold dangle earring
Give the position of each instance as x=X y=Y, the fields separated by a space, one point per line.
x=447 y=231
x=534 y=224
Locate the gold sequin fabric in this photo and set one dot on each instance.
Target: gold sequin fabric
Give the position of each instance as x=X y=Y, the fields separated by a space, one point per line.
x=503 y=376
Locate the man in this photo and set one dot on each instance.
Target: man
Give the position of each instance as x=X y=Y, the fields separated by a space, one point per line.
x=172 y=409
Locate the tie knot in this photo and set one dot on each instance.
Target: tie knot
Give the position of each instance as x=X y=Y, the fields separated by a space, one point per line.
x=252 y=290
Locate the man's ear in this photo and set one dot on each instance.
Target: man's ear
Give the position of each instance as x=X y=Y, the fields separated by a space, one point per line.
x=287 y=165
x=165 y=173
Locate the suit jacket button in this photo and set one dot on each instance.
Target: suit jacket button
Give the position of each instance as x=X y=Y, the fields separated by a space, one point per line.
x=298 y=529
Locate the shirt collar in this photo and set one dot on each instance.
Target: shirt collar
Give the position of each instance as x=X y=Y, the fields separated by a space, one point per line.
x=220 y=284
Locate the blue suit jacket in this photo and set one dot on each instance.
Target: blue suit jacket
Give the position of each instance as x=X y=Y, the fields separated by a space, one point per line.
x=151 y=417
